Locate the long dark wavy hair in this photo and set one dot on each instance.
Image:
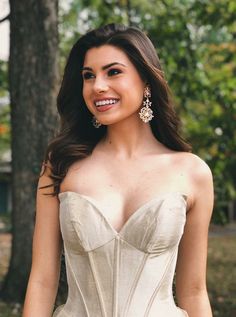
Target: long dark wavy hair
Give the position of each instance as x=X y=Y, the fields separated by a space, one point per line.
x=77 y=136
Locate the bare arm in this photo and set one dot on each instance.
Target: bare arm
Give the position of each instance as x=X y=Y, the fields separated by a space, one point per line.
x=191 y=287
x=45 y=270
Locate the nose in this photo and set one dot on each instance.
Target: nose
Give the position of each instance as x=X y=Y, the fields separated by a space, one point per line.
x=100 y=85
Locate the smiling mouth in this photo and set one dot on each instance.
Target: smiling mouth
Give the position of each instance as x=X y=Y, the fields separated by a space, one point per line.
x=106 y=102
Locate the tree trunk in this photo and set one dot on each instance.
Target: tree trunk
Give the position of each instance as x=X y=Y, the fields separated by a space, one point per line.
x=33 y=75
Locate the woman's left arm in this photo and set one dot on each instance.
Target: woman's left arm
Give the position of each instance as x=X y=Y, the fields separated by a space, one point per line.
x=191 y=290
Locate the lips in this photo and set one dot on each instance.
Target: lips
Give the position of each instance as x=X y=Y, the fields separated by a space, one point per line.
x=104 y=108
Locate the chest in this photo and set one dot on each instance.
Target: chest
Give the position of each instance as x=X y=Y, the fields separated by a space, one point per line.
x=118 y=190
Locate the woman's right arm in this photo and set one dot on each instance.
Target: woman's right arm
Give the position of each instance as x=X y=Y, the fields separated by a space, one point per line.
x=47 y=244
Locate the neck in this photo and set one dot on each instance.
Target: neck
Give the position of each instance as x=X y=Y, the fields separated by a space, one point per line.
x=129 y=139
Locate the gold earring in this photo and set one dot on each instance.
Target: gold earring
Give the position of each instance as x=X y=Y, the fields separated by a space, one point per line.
x=95 y=122
x=146 y=113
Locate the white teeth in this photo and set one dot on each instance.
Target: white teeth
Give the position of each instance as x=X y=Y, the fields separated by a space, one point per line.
x=105 y=102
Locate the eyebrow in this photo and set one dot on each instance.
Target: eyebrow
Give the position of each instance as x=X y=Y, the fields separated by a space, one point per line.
x=104 y=67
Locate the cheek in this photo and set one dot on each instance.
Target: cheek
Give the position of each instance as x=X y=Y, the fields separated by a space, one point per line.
x=86 y=96
x=134 y=88
x=134 y=94
x=85 y=93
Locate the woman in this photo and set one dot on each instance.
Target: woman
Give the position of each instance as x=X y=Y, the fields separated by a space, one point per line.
x=122 y=191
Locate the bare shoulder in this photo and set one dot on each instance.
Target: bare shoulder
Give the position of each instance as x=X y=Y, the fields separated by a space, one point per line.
x=200 y=180
x=71 y=178
x=197 y=167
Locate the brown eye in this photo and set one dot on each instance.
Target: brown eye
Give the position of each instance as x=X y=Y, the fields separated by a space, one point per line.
x=87 y=75
x=113 y=71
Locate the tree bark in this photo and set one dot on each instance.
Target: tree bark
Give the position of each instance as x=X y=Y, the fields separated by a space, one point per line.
x=33 y=75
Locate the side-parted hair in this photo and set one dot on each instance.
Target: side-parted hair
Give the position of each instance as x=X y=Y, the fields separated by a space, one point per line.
x=77 y=136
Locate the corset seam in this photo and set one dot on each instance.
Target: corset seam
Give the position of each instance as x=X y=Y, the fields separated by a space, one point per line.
x=72 y=271
x=159 y=284
x=150 y=253
x=81 y=242
x=99 y=292
x=135 y=282
x=116 y=275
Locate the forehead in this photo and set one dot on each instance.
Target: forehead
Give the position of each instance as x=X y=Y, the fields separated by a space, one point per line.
x=105 y=54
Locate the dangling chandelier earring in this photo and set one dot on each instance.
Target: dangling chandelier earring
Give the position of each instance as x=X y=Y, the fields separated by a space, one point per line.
x=146 y=113
x=95 y=122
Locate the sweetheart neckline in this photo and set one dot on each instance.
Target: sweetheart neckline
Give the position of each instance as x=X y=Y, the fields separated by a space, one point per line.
x=133 y=214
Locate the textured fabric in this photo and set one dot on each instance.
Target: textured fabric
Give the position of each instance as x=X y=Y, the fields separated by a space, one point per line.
x=121 y=274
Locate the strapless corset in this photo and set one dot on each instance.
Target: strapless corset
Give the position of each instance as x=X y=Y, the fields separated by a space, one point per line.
x=121 y=274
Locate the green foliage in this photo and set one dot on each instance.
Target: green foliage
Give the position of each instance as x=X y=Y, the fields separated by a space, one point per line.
x=3 y=78
x=4 y=109
x=5 y=129
x=221 y=275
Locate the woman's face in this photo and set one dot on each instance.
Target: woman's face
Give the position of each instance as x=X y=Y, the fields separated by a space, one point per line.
x=112 y=87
